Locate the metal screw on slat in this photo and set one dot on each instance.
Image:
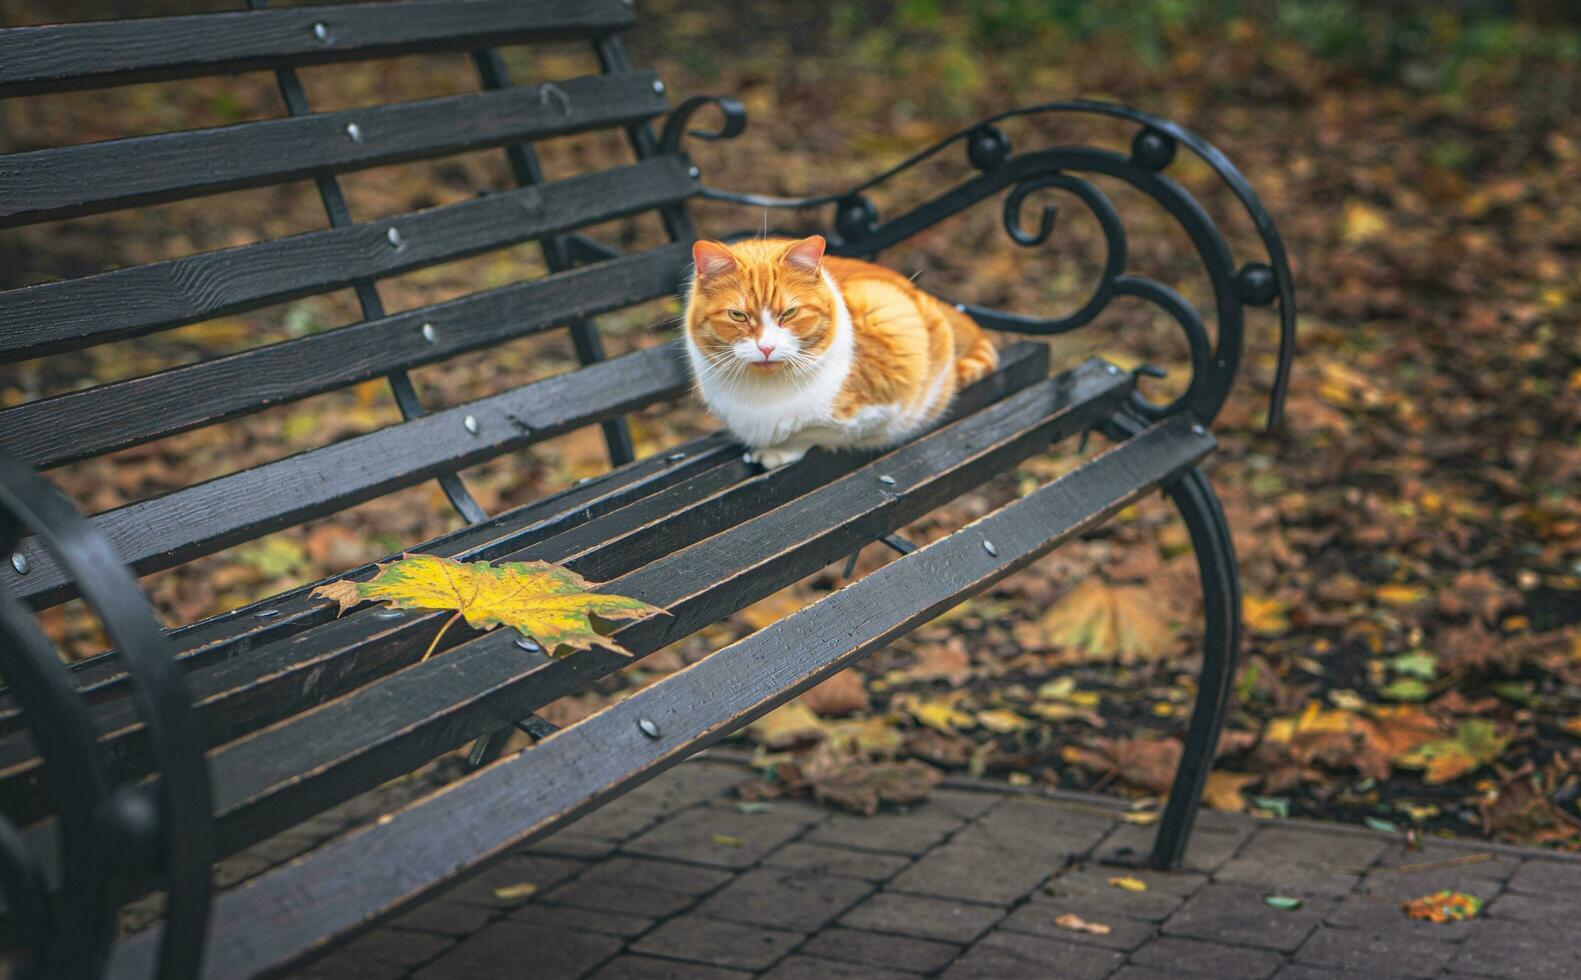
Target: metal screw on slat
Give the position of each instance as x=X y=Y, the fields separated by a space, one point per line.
x=430 y=334
x=471 y=423
x=649 y=727
x=960 y=307
x=389 y=614
x=1110 y=369
x=988 y=546
x=393 y=236
x=19 y=562
x=266 y=613
x=887 y=480
x=527 y=643
x=1198 y=430
x=675 y=457
x=354 y=132
x=658 y=86
x=693 y=172
x=321 y=31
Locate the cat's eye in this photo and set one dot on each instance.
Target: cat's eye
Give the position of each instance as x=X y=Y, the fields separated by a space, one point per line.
x=789 y=312
x=738 y=316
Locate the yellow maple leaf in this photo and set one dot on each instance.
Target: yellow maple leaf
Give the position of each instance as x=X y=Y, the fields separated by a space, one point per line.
x=549 y=604
x=1105 y=622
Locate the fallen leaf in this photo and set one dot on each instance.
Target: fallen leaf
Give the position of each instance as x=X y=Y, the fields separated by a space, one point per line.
x=942 y=715
x=1443 y=906
x=843 y=694
x=1405 y=689
x=1223 y=791
x=1476 y=743
x=1417 y=663
x=946 y=661
x=1400 y=729
x=876 y=736
x=1400 y=596
x=1002 y=721
x=1107 y=622
x=1128 y=883
x=1284 y=903
x=727 y=840
x=1265 y=615
x=517 y=892
x=1361 y=222
x=1075 y=923
x=854 y=784
x=547 y=603
x=1477 y=592
x=1573 y=725
x=792 y=723
x=1146 y=763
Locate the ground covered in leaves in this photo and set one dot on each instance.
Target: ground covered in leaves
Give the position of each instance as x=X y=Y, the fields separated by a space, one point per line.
x=1410 y=541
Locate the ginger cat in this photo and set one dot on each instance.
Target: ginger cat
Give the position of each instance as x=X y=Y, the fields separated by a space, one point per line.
x=792 y=349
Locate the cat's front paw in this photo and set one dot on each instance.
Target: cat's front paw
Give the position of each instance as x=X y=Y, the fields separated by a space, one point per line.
x=776 y=456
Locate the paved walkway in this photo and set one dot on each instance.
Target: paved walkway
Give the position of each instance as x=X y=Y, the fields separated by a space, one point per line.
x=676 y=881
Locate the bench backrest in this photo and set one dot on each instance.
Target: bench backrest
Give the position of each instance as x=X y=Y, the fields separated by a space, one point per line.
x=115 y=307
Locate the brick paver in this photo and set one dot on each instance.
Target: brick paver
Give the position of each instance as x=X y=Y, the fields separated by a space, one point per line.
x=676 y=882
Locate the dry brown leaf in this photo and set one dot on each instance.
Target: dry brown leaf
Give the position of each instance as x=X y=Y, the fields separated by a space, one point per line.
x=947 y=661
x=1146 y=763
x=843 y=694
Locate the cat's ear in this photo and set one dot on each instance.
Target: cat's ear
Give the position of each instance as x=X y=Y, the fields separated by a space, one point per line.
x=713 y=259
x=806 y=254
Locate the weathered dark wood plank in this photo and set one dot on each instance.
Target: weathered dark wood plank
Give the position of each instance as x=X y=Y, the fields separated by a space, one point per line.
x=283 y=774
x=279 y=679
x=75 y=313
x=87 y=423
x=57 y=57
x=201 y=519
x=357 y=881
x=67 y=181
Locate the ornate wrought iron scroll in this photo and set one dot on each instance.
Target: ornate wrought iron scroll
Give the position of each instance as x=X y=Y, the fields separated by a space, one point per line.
x=860 y=231
x=102 y=836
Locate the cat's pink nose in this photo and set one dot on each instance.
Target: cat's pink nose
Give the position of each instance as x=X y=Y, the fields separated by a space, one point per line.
x=767 y=350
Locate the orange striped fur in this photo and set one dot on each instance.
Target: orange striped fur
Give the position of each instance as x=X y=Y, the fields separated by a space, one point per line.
x=793 y=349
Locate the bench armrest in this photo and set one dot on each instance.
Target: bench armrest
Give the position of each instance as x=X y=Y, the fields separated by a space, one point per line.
x=859 y=231
x=103 y=833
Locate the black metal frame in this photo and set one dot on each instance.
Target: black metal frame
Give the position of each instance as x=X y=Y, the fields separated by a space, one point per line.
x=106 y=833
x=114 y=830
x=858 y=231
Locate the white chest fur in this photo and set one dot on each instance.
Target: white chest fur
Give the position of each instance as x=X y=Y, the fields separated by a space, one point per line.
x=771 y=410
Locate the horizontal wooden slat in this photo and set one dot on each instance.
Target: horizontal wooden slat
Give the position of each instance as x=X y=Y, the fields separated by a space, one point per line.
x=248 y=691
x=67 y=181
x=201 y=519
x=75 y=313
x=96 y=53
x=358 y=880
x=300 y=766
x=86 y=423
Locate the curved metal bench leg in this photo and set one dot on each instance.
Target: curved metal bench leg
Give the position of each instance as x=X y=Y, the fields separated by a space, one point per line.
x=1193 y=496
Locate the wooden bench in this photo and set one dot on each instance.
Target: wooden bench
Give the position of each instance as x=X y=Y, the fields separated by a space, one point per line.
x=139 y=768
